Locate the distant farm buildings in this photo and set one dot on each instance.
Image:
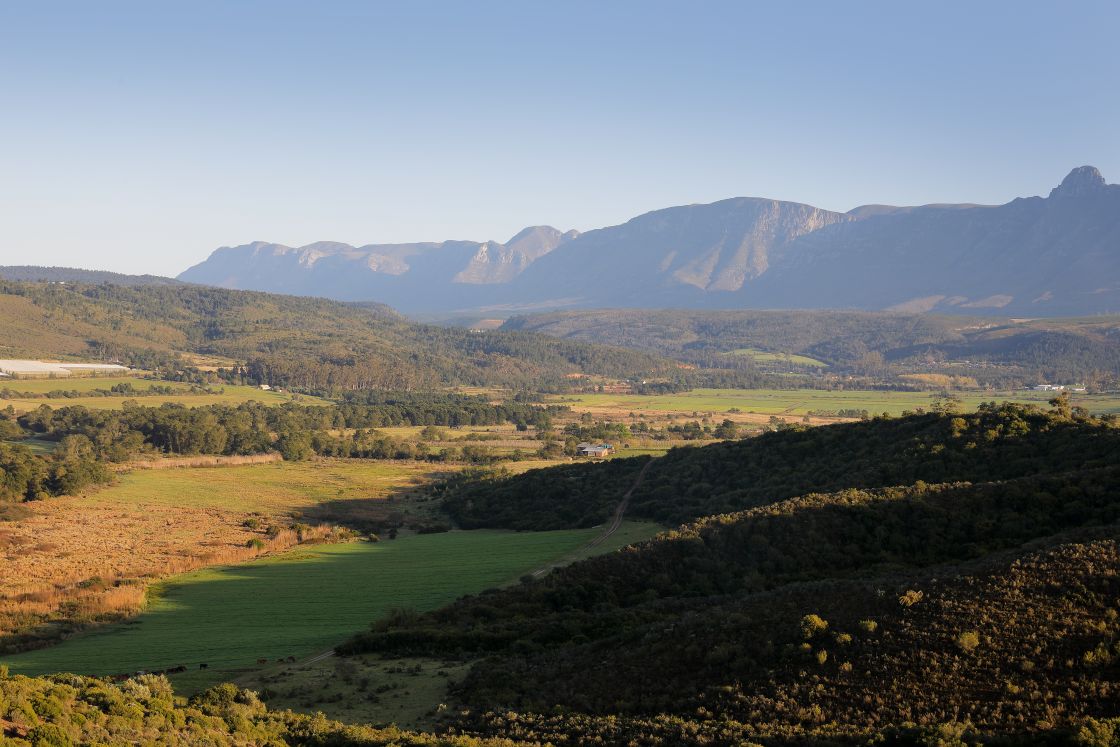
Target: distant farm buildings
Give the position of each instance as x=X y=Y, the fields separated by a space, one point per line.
x=43 y=370
x=1057 y=388
x=594 y=450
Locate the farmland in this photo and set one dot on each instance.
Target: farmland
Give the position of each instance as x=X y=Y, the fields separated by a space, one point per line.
x=301 y=602
x=799 y=402
x=764 y=356
x=183 y=394
x=56 y=556
x=278 y=488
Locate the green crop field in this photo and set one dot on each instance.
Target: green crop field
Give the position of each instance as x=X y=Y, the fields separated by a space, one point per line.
x=302 y=602
x=796 y=402
x=763 y=356
x=226 y=394
x=275 y=487
x=79 y=383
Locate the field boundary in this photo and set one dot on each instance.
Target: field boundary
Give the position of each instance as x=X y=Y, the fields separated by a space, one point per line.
x=201 y=461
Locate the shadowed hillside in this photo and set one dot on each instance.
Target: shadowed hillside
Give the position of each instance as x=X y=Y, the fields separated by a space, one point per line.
x=997 y=442
x=978 y=595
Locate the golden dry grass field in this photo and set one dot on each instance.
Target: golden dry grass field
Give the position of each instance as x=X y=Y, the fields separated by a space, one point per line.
x=97 y=551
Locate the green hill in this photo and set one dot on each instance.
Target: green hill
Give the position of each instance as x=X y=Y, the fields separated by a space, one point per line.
x=913 y=578
x=306 y=343
x=997 y=442
x=992 y=349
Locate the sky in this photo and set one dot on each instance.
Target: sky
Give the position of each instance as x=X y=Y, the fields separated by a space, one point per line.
x=140 y=136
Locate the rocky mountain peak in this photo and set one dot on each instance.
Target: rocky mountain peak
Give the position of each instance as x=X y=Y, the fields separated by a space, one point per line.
x=1082 y=181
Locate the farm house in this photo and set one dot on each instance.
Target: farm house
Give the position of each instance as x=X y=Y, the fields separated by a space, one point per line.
x=594 y=450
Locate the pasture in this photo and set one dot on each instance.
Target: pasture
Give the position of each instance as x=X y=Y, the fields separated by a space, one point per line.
x=222 y=394
x=301 y=602
x=154 y=522
x=764 y=356
x=274 y=488
x=799 y=402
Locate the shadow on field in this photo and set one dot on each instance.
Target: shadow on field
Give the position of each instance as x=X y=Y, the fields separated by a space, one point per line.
x=404 y=507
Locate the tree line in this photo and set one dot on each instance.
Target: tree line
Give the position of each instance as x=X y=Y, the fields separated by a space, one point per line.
x=87 y=440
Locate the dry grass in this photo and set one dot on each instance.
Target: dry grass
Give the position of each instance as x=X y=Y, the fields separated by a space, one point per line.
x=81 y=560
x=200 y=461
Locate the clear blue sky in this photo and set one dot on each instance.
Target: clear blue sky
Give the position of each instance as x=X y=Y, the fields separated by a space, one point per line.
x=139 y=136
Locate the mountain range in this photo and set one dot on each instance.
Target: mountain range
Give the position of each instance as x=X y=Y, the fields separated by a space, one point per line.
x=1033 y=256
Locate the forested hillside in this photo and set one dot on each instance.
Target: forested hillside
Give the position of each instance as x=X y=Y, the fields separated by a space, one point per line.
x=997 y=442
x=950 y=575
x=990 y=349
x=306 y=343
x=36 y=273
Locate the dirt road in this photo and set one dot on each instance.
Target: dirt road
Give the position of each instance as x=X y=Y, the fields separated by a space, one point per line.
x=612 y=527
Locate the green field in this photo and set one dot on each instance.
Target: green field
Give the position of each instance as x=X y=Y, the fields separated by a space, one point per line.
x=763 y=356
x=801 y=401
x=276 y=487
x=225 y=394
x=301 y=602
x=37 y=445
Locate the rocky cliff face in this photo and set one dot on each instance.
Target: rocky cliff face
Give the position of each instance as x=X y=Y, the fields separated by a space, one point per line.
x=1033 y=256
x=345 y=272
x=501 y=263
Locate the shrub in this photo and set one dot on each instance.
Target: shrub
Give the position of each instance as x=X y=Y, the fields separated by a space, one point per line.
x=910 y=598
x=968 y=641
x=812 y=625
x=1094 y=733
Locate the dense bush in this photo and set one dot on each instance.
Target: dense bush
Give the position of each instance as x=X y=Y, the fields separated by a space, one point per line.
x=997 y=442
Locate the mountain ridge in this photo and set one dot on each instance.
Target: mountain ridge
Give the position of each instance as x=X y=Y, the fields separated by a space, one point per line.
x=1033 y=256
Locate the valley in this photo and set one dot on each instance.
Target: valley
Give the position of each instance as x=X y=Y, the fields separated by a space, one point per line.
x=296 y=604
x=506 y=374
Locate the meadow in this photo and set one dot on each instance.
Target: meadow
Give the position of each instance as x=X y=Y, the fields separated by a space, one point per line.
x=275 y=488
x=75 y=560
x=764 y=356
x=799 y=402
x=302 y=602
x=223 y=394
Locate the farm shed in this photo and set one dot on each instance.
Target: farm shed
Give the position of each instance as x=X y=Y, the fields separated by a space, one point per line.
x=594 y=450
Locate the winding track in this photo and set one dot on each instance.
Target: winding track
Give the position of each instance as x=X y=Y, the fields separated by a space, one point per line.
x=616 y=522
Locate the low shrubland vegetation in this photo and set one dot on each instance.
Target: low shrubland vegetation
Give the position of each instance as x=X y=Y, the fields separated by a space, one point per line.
x=903 y=579
x=996 y=442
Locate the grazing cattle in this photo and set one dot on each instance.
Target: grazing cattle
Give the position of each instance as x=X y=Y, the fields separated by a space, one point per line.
x=262 y=661
x=203 y=666
x=176 y=670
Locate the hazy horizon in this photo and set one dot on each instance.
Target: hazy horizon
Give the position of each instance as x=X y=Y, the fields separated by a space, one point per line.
x=140 y=138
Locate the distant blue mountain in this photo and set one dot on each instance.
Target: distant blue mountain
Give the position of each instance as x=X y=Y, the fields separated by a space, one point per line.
x=1035 y=256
